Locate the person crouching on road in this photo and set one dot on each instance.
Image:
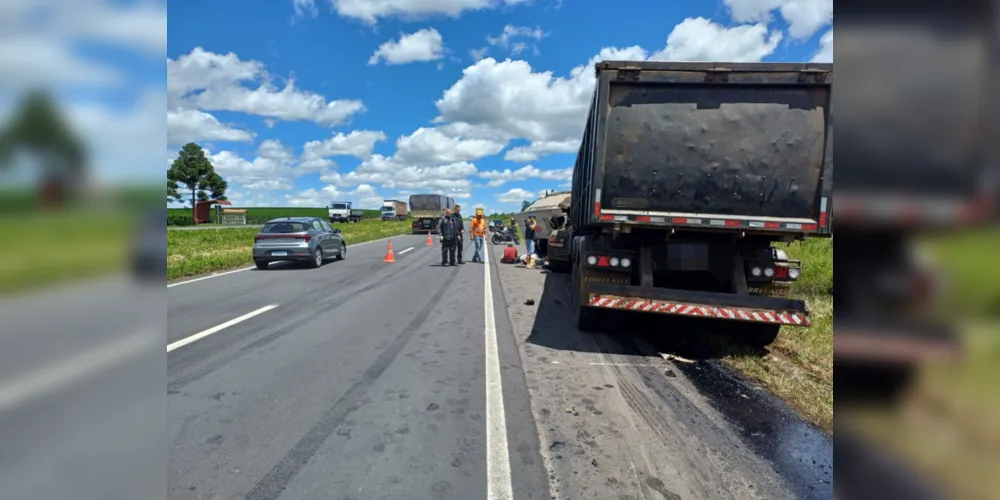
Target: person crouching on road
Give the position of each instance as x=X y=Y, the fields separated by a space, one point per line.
x=477 y=234
x=461 y=231
x=449 y=238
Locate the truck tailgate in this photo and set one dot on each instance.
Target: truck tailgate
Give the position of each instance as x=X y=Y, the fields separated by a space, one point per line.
x=754 y=150
x=744 y=141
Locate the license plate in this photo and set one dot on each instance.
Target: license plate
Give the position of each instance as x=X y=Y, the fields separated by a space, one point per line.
x=279 y=253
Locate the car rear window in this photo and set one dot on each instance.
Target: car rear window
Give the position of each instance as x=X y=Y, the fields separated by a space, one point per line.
x=285 y=227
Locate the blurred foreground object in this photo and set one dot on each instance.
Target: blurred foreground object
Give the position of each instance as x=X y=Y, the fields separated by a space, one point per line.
x=917 y=115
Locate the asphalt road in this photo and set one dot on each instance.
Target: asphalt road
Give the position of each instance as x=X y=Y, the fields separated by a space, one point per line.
x=205 y=228
x=369 y=380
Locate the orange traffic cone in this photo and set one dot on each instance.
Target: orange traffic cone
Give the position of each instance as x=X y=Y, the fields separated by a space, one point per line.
x=429 y=242
x=389 y=256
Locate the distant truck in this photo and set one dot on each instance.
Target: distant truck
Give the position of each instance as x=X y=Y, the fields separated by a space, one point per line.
x=340 y=211
x=356 y=215
x=686 y=176
x=426 y=211
x=394 y=210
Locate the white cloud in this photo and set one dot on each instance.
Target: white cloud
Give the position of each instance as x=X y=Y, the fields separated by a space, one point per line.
x=503 y=100
x=370 y=11
x=825 y=52
x=215 y=82
x=358 y=143
x=804 y=17
x=314 y=198
x=429 y=146
x=191 y=125
x=514 y=39
x=699 y=39
x=498 y=178
x=27 y=60
x=303 y=7
x=424 y=45
x=274 y=168
x=516 y=195
x=536 y=150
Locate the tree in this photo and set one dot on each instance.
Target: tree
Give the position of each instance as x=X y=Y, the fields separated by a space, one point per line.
x=525 y=205
x=39 y=128
x=192 y=171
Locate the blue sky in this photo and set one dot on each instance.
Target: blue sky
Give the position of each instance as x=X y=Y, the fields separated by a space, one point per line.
x=300 y=103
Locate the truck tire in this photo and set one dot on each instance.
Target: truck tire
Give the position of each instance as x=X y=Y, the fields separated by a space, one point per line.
x=756 y=335
x=587 y=319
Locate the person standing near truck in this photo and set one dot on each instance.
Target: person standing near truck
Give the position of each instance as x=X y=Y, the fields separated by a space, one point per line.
x=477 y=233
x=461 y=231
x=449 y=238
x=529 y=234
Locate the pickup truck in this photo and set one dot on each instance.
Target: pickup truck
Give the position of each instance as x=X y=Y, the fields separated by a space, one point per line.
x=688 y=177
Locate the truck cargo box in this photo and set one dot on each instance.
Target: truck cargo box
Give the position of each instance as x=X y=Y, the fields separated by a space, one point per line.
x=708 y=146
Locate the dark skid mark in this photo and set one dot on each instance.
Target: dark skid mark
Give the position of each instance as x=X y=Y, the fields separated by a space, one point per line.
x=274 y=482
x=801 y=453
x=323 y=303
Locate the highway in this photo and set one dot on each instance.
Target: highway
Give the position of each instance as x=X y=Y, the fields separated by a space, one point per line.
x=407 y=380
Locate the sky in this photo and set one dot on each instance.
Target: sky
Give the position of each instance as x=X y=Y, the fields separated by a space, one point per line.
x=305 y=102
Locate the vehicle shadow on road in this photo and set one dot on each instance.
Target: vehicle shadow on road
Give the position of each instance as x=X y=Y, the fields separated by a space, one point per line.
x=629 y=334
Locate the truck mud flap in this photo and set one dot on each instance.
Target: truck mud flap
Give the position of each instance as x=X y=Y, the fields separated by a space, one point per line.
x=724 y=306
x=744 y=314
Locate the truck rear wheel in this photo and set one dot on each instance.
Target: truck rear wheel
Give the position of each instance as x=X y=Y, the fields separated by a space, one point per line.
x=756 y=335
x=587 y=319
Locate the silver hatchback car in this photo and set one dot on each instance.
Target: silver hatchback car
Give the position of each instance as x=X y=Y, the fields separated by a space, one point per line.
x=305 y=239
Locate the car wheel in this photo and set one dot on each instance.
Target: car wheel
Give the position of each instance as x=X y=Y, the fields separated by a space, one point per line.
x=317 y=259
x=261 y=264
x=343 y=251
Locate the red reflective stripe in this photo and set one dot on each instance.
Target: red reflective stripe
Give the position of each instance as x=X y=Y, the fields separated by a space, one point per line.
x=772 y=225
x=679 y=220
x=808 y=227
x=607 y=217
x=597 y=208
x=642 y=218
x=822 y=219
x=732 y=223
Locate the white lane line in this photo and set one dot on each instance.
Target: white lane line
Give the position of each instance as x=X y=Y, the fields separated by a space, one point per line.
x=216 y=275
x=198 y=336
x=498 y=481
x=67 y=372
x=404 y=251
x=213 y=275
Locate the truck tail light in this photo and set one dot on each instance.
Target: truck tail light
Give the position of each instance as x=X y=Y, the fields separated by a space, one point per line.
x=609 y=261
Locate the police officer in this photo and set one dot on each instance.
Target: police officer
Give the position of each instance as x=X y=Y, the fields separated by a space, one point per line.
x=461 y=231
x=449 y=237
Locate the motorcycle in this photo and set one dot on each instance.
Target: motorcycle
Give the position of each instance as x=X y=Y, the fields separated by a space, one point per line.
x=504 y=235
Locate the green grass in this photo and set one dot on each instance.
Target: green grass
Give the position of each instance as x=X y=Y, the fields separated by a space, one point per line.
x=195 y=252
x=799 y=367
x=946 y=424
x=259 y=215
x=47 y=248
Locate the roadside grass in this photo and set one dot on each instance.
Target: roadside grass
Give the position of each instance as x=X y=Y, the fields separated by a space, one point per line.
x=799 y=365
x=196 y=252
x=47 y=248
x=259 y=215
x=946 y=424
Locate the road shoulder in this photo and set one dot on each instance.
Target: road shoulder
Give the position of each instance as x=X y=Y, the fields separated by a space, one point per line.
x=618 y=421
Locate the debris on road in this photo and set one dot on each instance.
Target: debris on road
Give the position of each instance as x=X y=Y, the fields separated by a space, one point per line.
x=529 y=302
x=674 y=357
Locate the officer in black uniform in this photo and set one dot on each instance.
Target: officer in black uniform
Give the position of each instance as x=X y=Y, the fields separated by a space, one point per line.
x=449 y=238
x=461 y=231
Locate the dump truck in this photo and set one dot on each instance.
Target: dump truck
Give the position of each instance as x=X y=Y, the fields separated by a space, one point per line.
x=394 y=210
x=688 y=178
x=426 y=211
